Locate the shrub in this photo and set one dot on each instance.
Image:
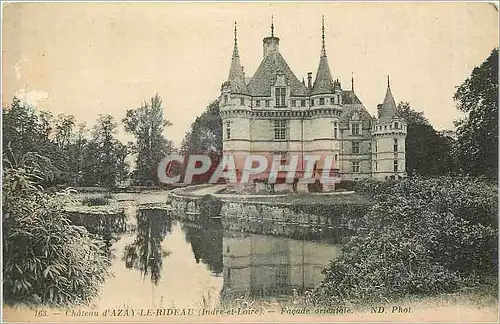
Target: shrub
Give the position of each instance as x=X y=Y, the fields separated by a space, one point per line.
x=95 y=201
x=210 y=206
x=46 y=260
x=422 y=236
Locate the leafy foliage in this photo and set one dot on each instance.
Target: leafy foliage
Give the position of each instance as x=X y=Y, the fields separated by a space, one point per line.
x=205 y=135
x=478 y=131
x=428 y=152
x=62 y=147
x=46 y=259
x=147 y=124
x=421 y=237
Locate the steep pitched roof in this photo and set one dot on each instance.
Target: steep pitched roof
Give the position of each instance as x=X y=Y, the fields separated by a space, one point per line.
x=236 y=76
x=349 y=97
x=324 y=81
x=388 y=109
x=265 y=76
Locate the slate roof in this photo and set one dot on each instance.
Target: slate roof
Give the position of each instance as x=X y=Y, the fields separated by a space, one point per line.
x=323 y=83
x=265 y=76
x=388 y=108
x=236 y=76
x=349 y=97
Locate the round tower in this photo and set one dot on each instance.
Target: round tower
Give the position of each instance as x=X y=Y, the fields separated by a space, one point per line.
x=389 y=136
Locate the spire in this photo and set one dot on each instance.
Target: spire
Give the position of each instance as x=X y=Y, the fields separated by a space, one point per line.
x=352 y=81
x=324 y=81
x=272 y=25
x=388 y=108
x=236 y=76
x=235 y=50
x=323 y=47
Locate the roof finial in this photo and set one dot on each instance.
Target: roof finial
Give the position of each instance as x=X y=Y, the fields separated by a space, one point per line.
x=388 y=82
x=235 y=50
x=272 y=25
x=323 y=47
x=352 y=81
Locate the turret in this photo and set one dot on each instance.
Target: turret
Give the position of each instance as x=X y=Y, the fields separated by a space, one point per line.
x=234 y=91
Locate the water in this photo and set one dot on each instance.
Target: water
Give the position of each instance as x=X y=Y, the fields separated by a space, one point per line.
x=167 y=263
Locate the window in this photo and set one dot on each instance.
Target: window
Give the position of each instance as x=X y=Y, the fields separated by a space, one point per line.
x=294 y=103
x=332 y=101
x=280 y=97
x=385 y=127
x=228 y=130
x=355 y=167
x=321 y=101
x=376 y=147
x=267 y=103
x=355 y=147
x=242 y=101
x=225 y=99
x=396 y=125
x=335 y=129
x=257 y=103
x=376 y=166
x=280 y=129
x=312 y=102
x=302 y=103
x=336 y=157
x=355 y=129
x=395 y=165
x=395 y=145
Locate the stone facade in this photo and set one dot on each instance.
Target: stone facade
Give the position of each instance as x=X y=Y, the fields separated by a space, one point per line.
x=275 y=113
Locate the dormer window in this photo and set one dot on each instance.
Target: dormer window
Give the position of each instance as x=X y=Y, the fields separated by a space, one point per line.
x=355 y=129
x=302 y=103
x=267 y=103
x=257 y=103
x=321 y=101
x=280 y=97
x=294 y=103
x=396 y=125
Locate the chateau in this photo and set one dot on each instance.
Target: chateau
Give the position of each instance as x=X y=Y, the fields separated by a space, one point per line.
x=275 y=113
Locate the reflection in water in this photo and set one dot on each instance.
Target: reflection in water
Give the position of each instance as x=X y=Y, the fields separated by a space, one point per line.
x=146 y=252
x=206 y=244
x=259 y=264
x=267 y=265
x=221 y=264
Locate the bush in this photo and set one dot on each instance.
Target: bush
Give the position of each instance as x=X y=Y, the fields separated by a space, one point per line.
x=422 y=236
x=46 y=260
x=210 y=206
x=95 y=201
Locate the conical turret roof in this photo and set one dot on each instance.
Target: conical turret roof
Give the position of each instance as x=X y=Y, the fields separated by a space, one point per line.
x=388 y=108
x=236 y=76
x=324 y=81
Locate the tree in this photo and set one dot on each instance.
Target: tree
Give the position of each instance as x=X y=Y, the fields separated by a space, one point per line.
x=206 y=133
x=477 y=132
x=427 y=151
x=104 y=161
x=147 y=124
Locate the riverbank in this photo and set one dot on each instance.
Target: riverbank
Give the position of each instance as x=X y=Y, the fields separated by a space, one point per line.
x=456 y=308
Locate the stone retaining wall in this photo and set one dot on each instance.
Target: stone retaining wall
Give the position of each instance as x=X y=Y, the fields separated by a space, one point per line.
x=330 y=222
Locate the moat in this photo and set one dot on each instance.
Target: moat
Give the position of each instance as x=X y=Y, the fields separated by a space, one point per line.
x=169 y=263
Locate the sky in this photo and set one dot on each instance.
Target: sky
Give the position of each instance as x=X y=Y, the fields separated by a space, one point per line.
x=87 y=59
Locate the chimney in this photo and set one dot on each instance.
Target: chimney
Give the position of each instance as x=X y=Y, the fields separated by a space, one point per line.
x=271 y=45
x=379 y=107
x=309 y=80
